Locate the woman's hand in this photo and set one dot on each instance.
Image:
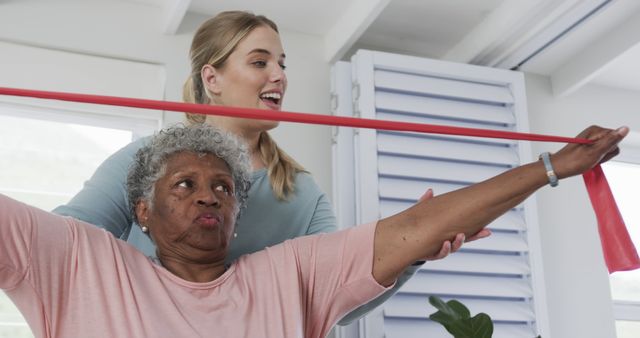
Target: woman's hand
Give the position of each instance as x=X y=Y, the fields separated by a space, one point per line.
x=449 y=247
x=574 y=159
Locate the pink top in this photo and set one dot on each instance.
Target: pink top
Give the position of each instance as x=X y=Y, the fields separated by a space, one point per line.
x=71 y=279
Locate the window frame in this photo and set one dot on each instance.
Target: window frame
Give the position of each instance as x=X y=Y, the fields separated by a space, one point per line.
x=139 y=126
x=624 y=310
x=42 y=111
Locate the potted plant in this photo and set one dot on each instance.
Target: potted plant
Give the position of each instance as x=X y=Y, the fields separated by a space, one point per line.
x=457 y=320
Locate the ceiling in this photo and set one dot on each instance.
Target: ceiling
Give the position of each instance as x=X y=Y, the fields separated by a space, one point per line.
x=574 y=42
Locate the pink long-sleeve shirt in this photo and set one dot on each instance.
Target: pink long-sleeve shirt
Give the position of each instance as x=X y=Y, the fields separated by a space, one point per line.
x=71 y=279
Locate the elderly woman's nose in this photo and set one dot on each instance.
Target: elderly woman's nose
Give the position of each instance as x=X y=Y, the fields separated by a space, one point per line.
x=206 y=196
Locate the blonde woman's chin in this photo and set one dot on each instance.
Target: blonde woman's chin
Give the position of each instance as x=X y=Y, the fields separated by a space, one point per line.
x=265 y=125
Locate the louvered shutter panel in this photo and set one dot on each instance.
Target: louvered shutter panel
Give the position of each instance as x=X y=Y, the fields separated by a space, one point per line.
x=500 y=275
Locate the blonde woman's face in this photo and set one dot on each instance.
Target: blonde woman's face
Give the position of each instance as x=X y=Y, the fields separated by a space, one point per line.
x=253 y=75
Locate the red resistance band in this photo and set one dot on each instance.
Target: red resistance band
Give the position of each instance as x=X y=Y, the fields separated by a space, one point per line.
x=619 y=251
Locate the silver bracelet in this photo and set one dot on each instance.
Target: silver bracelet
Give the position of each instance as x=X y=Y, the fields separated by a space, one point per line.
x=553 y=178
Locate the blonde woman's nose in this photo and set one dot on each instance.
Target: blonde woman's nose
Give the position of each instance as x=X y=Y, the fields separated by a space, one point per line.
x=277 y=74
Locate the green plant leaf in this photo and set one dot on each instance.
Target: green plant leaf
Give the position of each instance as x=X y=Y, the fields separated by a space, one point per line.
x=441 y=318
x=459 y=308
x=444 y=308
x=482 y=325
x=460 y=330
x=456 y=319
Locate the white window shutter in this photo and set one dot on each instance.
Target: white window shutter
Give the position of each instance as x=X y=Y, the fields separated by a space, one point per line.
x=342 y=151
x=500 y=275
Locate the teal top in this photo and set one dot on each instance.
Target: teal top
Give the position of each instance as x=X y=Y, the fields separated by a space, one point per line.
x=266 y=220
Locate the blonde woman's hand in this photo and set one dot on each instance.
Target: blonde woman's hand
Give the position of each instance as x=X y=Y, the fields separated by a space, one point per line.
x=449 y=247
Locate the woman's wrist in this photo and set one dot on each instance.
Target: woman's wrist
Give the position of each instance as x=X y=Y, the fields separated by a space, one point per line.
x=548 y=167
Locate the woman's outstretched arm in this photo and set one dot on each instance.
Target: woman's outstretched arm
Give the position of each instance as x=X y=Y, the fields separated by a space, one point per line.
x=420 y=231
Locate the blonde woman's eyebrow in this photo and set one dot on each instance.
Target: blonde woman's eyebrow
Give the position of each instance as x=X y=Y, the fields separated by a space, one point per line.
x=264 y=51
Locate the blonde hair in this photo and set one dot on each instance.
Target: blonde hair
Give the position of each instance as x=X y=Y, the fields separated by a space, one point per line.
x=212 y=44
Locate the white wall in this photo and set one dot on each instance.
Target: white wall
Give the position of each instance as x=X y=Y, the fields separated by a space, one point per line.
x=133 y=31
x=576 y=277
x=115 y=29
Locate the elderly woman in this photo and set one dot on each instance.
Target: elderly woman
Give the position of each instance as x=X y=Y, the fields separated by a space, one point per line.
x=186 y=188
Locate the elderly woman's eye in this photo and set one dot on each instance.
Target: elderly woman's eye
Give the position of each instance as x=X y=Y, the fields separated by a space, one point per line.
x=185 y=184
x=223 y=188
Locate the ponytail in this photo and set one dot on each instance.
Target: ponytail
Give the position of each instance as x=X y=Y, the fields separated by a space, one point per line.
x=191 y=95
x=281 y=167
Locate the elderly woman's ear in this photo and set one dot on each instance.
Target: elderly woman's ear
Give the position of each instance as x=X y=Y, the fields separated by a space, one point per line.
x=142 y=213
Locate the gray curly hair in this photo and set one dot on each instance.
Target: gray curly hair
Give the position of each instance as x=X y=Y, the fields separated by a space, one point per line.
x=150 y=162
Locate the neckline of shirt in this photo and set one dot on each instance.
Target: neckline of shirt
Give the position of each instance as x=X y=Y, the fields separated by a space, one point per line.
x=258 y=173
x=194 y=285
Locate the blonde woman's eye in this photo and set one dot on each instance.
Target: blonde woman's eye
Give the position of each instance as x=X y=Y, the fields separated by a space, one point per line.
x=283 y=66
x=260 y=64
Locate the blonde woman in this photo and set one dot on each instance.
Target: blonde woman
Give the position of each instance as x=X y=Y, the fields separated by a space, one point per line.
x=237 y=59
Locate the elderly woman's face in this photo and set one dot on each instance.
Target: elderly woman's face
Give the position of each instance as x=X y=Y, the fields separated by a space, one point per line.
x=194 y=208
